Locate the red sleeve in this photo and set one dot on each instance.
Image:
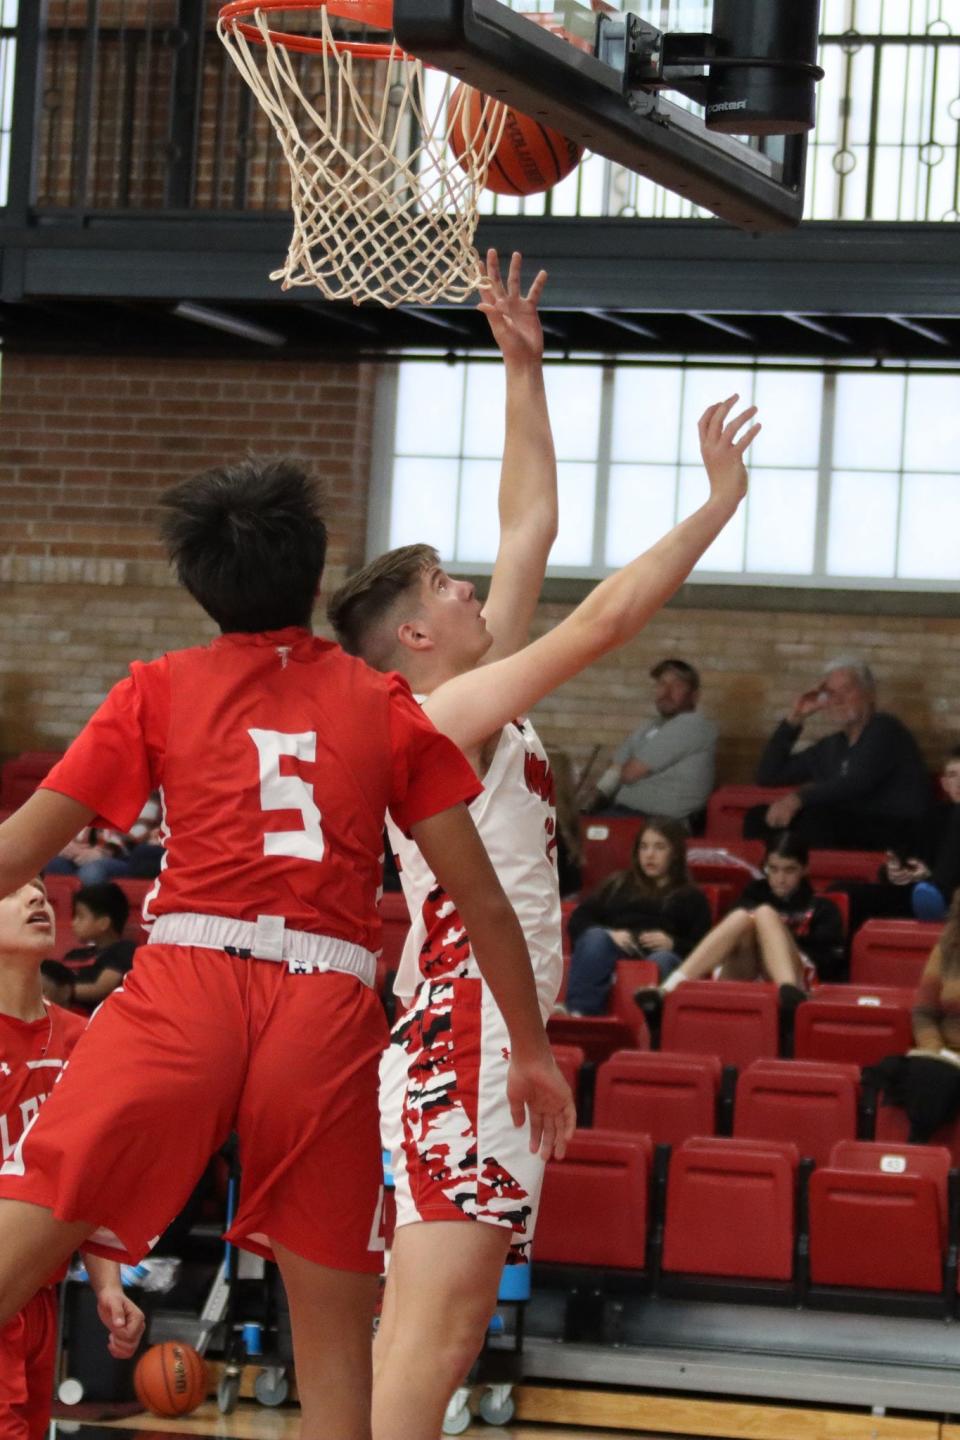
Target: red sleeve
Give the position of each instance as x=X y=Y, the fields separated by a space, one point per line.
x=117 y=758
x=430 y=773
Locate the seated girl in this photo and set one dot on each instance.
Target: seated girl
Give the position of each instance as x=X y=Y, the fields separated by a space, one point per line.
x=651 y=910
x=779 y=931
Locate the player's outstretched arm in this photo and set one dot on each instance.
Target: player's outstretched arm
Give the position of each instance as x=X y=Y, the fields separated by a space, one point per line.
x=527 y=499
x=454 y=851
x=124 y=1320
x=474 y=705
x=35 y=833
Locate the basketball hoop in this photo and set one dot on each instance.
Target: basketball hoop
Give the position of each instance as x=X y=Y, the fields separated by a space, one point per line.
x=382 y=208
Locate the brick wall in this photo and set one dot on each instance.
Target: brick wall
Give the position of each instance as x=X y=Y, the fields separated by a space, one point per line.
x=86 y=445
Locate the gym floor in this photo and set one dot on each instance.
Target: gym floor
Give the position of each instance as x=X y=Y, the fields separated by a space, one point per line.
x=252 y=1422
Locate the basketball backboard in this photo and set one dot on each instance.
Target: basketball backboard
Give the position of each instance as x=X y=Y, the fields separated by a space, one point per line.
x=577 y=71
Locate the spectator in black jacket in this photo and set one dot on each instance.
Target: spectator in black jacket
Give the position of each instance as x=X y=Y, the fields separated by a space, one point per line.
x=651 y=911
x=922 y=882
x=780 y=930
x=862 y=788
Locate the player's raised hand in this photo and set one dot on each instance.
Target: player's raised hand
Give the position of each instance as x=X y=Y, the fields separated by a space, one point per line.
x=512 y=315
x=535 y=1088
x=722 y=444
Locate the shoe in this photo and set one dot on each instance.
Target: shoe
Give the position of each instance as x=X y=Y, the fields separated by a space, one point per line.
x=789 y=997
x=649 y=999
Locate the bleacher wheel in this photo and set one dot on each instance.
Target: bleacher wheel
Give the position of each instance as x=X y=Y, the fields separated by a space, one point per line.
x=271 y=1387
x=497 y=1406
x=458 y=1417
x=228 y=1392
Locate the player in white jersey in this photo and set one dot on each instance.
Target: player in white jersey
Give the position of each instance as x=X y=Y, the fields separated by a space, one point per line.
x=458 y=1155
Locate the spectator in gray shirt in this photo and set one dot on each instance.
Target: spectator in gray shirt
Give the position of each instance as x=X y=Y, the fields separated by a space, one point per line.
x=665 y=767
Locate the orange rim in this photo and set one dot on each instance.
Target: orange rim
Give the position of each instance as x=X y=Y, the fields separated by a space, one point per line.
x=376 y=13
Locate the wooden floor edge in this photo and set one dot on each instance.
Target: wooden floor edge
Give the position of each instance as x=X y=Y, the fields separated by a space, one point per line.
x=718 y=1419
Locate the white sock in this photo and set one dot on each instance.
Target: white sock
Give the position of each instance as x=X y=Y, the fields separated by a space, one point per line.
x=672 y=981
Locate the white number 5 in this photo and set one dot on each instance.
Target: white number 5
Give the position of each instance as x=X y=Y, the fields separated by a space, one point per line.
x=288 y=792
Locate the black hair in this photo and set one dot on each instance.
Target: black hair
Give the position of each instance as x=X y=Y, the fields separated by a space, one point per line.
x=789 y=847
x=107 y=899
x=248 y=542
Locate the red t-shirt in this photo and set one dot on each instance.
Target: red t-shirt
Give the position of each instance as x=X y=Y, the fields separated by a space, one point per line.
x=32 y=1055
x=276 y=756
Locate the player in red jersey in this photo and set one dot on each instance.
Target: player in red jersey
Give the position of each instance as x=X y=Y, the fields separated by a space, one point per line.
x=276 y=756
x=35 y=1041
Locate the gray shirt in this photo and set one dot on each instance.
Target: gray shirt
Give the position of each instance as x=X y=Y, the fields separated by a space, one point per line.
x=680 y=753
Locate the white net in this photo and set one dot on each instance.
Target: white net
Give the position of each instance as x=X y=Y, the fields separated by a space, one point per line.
x=382 y=207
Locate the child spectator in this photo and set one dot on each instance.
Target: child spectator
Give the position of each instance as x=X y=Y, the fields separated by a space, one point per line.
x=35 y=1042
x=99 y=963
x=650 y=910
x=780 y=931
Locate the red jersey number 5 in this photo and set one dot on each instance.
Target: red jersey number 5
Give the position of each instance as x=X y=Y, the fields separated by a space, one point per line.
x=288 y=792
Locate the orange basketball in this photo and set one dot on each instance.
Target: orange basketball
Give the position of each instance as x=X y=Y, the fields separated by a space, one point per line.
x=530 y=157
x=170 y=1379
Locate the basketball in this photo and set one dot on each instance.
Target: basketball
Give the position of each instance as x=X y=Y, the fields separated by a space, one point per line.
x=170 y=1379
x=530 y=157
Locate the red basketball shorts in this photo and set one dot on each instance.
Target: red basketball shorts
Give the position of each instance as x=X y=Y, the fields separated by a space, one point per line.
x=196 y=1044
x=28 y=1352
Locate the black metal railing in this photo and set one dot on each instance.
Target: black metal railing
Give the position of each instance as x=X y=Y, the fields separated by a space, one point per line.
x=134 y=106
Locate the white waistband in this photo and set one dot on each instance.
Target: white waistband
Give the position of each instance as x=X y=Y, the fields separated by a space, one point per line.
x=267 y=939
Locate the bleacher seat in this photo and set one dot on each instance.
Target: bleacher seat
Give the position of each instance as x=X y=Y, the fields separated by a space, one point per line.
x=892 y=952
x=859 y=1030
x=841 y=899
x=60 y=892
x=20 y=776
x=593 y=1210
x=893 y=1128
x=827 y=866
x=136 y=892
x=627 y=979
x=729 y=804
x=735 y=1020
x=731 y=1209
x=707 y=866
x=878 y=1217
x=809 y=1102
x=570 y=1060
x=598 y=1036
x=606 y=845
x=667 y=1096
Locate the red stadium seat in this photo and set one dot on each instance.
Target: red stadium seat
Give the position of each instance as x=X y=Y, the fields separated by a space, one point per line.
x=826 y=866
x=893 y=1128
x=731 y=1209
x=860 y=1031
x=719 y=896
x=594 y=1205
x=729 y=803
x=627 y=978
x=735 y=1020
x=570 y=1060
x=606 y=845
x=878 y=1217
x=393 y=906
x=21 y=776
x=60 y=891
x=902 y=995
x=136 y=892
x=707 y=866
x=665 y=1095
x=811 y=1103
x=598 y=1036
x=892 y=952
x=841 y=899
